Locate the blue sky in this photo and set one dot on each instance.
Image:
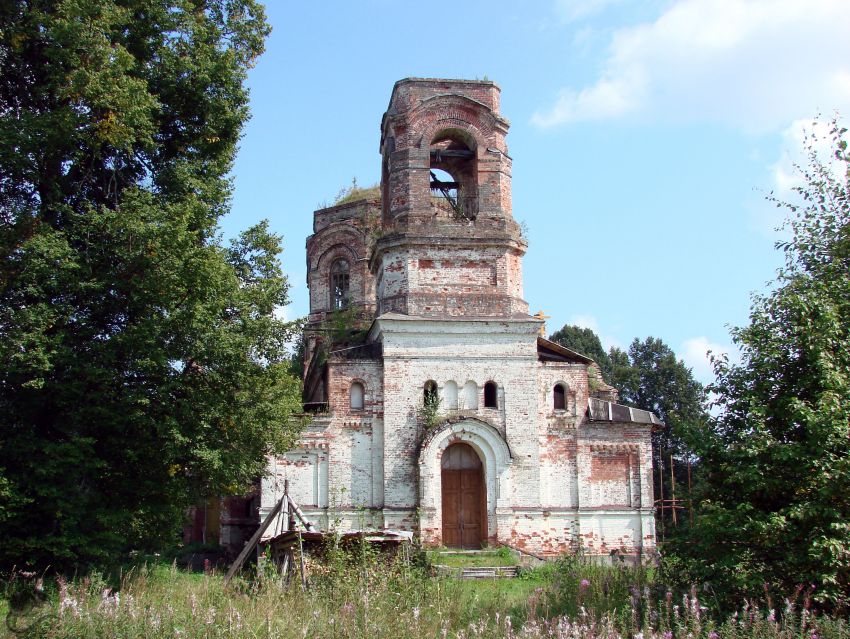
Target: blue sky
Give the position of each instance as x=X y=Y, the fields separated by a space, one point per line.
x=644 y=137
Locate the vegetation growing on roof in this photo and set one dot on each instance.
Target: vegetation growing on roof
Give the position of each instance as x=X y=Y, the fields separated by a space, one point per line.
x=355 y=192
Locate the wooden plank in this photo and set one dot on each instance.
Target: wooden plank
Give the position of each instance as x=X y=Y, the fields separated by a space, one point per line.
x=255 y=539
x=296 y=510
x=452 y=153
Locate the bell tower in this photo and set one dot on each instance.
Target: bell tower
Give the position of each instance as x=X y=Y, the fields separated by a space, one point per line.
x=449 y=245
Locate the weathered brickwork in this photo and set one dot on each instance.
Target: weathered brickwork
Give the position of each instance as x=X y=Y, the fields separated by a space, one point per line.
x=435 y=285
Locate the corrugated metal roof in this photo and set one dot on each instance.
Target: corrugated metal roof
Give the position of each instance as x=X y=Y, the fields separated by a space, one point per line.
x=600 y=410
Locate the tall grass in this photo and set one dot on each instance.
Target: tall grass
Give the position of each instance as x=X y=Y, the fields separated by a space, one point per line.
x=371 y=598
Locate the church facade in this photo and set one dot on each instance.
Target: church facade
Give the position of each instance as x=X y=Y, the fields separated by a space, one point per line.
x=435 y=405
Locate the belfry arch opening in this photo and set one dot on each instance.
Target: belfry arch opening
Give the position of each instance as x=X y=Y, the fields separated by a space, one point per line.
x=454 y=173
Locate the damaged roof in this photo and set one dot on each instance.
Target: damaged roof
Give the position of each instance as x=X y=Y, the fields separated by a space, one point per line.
x=553 y=352
x=600 y=410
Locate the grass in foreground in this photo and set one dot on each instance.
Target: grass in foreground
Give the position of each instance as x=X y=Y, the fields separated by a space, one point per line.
x=394 y=601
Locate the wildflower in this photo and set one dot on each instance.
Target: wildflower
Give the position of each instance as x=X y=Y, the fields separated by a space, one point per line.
x=712 y=635
x=584 y=584
x=416 y=613
x=668 y=634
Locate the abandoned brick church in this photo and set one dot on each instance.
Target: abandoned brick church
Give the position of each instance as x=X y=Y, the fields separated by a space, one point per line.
x=436 y=406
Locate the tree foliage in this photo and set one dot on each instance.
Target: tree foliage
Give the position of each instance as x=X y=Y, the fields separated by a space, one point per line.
x=584 y=341
x=141 y=363
x=650 y=376
x=775 y=496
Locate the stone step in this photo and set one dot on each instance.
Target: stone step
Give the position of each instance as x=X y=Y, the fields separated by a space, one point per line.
x=489 y=572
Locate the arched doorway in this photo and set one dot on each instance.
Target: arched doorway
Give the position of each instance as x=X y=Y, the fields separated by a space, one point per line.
x=464 y=502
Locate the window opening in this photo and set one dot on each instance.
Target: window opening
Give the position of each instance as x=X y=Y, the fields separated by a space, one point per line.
x=357 y=394
x=560 y=397
x=339 y=285
x=444 y=185
x=454 y=175
x=490 y=400
x=430 y=394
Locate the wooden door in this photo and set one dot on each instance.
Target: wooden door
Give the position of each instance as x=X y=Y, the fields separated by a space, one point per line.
x=464 y=509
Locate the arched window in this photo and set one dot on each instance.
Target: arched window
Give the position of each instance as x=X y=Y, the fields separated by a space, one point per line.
x=450 y=395
x=560 y=395
x=470 y=395
x=357 y=395
x=339 y=284
x=430 y=392
x=490 y=399
x=454 y=172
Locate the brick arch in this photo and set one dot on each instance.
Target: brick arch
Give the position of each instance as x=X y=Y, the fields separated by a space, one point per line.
x=338 y=241
x=454 y=111
x=432 y=129
x=495 y=455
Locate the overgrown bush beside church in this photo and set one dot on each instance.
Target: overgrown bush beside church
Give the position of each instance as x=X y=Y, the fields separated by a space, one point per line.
x=141 y=363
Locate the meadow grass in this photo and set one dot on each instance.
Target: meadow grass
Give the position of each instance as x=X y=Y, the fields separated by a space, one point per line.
x=495 y=557
x=370 y=597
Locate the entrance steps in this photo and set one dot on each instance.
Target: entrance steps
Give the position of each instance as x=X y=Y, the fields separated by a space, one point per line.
x=491 y=572
x=476 y=564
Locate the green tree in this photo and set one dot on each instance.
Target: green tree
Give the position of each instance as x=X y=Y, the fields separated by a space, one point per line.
x=775 y=495
x=586 y=342
x=650 y=376
x=141 y=363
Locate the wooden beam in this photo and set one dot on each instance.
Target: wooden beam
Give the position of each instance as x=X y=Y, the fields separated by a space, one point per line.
x=255 y=539
x=452 y=153
x=436 y=184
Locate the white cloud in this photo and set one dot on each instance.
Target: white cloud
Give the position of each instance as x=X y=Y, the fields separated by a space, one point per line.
x=752 y=64
x=695 y=354
x=766 y=218
x=794 y=139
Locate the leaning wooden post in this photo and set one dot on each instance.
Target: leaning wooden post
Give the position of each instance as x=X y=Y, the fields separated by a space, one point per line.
x=255 y=539
x=301 y=559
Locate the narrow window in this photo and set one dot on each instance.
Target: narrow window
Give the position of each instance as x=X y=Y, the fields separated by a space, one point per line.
x=339 y=285
x=490 y=395
x=560 y=397
x=357 y=394
x=430 y=394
